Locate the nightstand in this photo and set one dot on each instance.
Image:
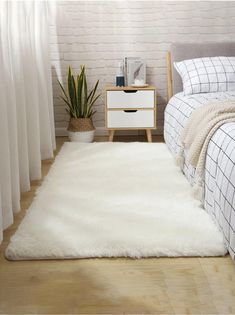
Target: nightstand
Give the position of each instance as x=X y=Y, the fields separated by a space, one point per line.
x=130 y=108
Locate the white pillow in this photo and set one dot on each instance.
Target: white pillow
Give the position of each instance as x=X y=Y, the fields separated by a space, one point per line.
x=204 y=75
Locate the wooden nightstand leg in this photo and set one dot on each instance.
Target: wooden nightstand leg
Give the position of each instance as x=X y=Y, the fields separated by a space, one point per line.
x=111 y=134
x=149 y=135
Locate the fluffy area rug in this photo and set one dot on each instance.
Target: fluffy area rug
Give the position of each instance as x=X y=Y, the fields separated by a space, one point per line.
x=112 y=200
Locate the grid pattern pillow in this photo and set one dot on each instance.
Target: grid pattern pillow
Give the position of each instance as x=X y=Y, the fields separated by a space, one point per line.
x=205 y=75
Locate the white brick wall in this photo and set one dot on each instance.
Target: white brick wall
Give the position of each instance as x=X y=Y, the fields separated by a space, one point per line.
x=100 y=33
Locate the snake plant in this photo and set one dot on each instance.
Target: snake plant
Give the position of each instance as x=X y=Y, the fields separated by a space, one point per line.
x=79 y=102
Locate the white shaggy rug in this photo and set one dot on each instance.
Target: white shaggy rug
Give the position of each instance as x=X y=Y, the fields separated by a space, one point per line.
x=111 y=200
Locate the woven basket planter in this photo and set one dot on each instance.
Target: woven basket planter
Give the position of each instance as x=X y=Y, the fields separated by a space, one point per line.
x=81 y=130
x=80 y=124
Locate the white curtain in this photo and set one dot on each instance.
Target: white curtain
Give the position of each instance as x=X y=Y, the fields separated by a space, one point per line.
x=26 y=108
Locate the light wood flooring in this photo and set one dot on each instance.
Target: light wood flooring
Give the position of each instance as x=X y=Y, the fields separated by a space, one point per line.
x=114 y=286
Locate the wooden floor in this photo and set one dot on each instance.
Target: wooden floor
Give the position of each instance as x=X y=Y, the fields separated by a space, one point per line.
x=114 y=286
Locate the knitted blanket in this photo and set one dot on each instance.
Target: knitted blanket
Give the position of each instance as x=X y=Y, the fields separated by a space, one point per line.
x=201 y=126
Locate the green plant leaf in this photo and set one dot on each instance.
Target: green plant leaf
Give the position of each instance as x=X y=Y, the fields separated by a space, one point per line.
x=63 y=90
x=94 y=91
x=75 y=93
x=70 y=108
x=71 y=89
x=80 y=93
x=85 y=103
x=94 y=100
x=90 y=107
x=68 y=111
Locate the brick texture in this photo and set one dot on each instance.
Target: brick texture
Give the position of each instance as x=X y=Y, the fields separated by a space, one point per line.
x=99 y=34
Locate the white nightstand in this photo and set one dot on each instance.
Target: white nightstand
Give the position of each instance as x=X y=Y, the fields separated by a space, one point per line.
x=130 y=108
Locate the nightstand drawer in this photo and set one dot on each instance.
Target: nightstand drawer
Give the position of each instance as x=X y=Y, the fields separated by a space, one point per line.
x=130 y=99
x=130 y=119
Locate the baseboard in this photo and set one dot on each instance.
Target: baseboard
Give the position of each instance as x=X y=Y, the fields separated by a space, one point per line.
x=62 y=132
x=102 y=131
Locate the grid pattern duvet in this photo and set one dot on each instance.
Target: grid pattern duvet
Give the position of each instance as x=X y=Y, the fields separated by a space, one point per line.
x=220 y=160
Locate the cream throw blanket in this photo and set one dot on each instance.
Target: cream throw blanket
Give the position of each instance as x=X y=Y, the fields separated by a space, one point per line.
x=197 y=133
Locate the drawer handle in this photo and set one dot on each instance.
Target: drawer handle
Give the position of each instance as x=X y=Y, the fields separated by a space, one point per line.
x=130 y=91
x=130 y=110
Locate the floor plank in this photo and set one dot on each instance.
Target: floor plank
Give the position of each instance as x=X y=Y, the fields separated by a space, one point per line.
x=114 y=286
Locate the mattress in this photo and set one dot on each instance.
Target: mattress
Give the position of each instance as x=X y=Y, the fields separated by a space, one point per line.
x=219 y=178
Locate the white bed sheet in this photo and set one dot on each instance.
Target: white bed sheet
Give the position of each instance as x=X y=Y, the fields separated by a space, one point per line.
x=220 y=161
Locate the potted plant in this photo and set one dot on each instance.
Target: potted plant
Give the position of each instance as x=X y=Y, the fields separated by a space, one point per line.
x=79 y=106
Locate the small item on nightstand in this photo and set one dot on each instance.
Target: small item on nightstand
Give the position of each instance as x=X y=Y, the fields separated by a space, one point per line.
x=120 y=81
x=139 y=83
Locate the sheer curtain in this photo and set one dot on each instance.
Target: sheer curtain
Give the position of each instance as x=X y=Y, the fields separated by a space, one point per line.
x=26 y=108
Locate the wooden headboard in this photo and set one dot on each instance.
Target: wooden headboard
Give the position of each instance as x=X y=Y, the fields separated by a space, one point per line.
x=169 y=76
x=183 y=51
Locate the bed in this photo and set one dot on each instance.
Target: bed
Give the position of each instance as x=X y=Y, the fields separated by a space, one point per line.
x=219 y=179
